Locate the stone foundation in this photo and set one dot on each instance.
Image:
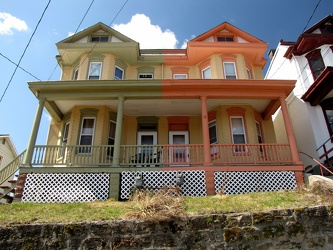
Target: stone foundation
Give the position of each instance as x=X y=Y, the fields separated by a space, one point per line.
x=301 y=228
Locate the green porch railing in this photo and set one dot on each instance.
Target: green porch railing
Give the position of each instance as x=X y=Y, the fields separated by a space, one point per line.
x=162 y=155
x=9 y=170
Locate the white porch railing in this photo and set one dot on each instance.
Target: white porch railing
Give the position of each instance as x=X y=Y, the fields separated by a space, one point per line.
x=162 y=155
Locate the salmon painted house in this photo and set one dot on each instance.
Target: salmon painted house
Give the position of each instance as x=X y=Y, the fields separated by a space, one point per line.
x=125 y=117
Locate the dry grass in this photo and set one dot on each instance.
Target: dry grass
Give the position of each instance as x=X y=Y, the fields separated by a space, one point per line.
x=163 y=204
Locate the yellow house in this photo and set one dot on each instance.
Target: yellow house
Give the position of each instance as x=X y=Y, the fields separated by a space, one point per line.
x=122 y=117
x=8 y=154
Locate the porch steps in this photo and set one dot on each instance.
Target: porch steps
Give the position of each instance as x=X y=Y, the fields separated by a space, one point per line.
x=7 y=192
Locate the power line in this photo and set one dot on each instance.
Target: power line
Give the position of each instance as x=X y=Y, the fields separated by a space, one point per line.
x=19 y=67
x=84 y=16
x=311 y=15
x=26 y=47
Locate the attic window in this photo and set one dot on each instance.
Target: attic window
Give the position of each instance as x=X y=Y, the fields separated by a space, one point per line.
x=327 y=28
x=102 y=39
x=225 y=38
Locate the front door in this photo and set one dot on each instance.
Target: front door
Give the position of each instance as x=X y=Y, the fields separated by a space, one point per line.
x=146 y=152
x=179 y=153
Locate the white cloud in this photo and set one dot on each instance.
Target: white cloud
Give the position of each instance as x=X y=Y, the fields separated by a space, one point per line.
x=150 y=36
x=8 y=23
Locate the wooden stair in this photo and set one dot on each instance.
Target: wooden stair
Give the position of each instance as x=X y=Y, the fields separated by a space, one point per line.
x=7 y=192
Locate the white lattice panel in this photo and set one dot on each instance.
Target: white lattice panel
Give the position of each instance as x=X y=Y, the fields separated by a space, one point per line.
x=194 y=182
x=247 y=182
x=66 y=188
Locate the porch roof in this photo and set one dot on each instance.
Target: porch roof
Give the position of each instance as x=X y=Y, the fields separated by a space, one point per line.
x=60 y=96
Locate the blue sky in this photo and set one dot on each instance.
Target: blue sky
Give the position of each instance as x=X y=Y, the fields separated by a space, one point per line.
x=168 y=24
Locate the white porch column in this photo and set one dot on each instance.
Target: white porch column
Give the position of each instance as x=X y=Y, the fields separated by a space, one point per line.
x=34 y=132
x=119 y=126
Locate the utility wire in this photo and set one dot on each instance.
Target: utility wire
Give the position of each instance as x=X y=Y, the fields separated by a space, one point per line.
x=311 y=15
x=84 y=16
x=26 y=47
x=19 y=67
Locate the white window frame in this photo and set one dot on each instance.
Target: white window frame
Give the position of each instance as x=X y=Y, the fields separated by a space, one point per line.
x=90 y=70
x=204 y=70
x=249 y=73
x=179 y=76
x=76 y=74
x=111 y=150
x=100 y=39
x=210 y=125
x=122 y=75
x=241 y=148
x=64 y=138
x=229 y=76
x=140 y=76
x=92 y=135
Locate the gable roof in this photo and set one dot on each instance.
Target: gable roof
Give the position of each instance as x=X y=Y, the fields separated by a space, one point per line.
x=309 y=40
x=90 y=30
x=11 y=144
x=227 y=27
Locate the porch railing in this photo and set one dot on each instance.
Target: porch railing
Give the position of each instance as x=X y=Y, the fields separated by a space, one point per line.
x=162 y=155
x=9 y=170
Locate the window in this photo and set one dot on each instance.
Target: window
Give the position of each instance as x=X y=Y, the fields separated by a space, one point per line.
x=100 y=39
x=259 y=134
x=64 y=139
x=118 y=73
x=327 y=106
x=112 y=134
x=212 y=132
x=87 y=134
x=145 y=76
x=316 y=63
x=238 y=133
x=95 y=71
x=179 y=76
x=206 y=73
x=1 y=159
x=229 y=70
x=225 y=39
x=76 y=74
x=248 y=73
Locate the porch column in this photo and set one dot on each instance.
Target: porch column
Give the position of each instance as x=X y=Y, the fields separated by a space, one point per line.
x=119 y=125
x=205 y=130
x=34 y=132
x=289 y=130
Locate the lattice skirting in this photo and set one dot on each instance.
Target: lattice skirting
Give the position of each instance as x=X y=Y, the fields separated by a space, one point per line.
x=66 y=188
x=194 y=182
x=247 y=182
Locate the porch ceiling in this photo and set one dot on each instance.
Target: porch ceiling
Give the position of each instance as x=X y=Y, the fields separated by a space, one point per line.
x=159 y=107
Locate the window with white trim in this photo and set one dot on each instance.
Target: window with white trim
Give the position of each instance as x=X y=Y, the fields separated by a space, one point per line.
x=95 y=69
x=100 y=39
x=237 y=130
x=118 y=73
x=64 y=138
x=111 y=139
x=206 y=73
x=248 y=73
x=179 y=76
x=76 y=74
x=229 y=70
x=87 y=134
x=212 y=132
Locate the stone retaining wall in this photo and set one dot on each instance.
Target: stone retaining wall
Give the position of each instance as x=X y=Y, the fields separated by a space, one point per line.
x=302 y=228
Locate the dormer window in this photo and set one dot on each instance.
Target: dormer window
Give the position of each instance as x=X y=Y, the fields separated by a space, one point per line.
x=225 y=38
x=96 y=39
